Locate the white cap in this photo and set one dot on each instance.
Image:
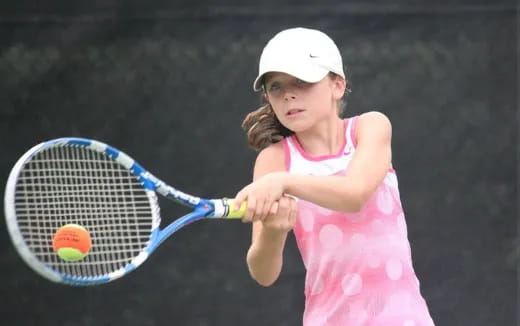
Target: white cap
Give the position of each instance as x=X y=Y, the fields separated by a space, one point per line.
x=306 y=54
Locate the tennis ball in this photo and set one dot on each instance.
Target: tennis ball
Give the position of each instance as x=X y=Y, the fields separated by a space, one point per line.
x=72 y=242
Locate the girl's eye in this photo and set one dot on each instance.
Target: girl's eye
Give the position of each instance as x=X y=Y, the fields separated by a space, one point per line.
x=301 y=83
x=274 y=87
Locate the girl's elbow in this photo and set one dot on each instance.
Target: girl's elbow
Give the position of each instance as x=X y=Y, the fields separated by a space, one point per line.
x=357 y=205
x=362 y=199
x=265 y=282
x=356 y=196
x=263 y=277
x=357 y=202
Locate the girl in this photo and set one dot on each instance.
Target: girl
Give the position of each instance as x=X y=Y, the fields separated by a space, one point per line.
x=348 y=221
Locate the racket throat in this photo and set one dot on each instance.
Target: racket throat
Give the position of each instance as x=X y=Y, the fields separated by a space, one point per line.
x=221 y=208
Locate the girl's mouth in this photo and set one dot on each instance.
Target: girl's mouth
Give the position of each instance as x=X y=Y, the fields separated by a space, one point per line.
x=293 y=112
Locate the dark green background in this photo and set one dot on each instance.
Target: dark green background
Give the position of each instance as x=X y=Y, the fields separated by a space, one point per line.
x=170 y=82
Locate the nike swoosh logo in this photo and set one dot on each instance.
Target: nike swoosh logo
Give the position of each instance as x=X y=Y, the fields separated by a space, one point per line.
x=312 y=56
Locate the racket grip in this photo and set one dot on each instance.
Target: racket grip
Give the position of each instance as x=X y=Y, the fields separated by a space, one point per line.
x=236 y=213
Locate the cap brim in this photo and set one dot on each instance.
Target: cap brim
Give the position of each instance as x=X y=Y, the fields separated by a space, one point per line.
x=307 y=73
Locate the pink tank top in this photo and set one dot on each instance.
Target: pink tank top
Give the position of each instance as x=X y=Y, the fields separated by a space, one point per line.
x=359 y=267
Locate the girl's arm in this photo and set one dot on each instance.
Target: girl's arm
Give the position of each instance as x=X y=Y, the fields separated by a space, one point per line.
x=366 y=171
x=370 y=163
x=265 y=256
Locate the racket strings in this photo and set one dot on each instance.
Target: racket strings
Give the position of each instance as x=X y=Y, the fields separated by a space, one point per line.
x=62 y=185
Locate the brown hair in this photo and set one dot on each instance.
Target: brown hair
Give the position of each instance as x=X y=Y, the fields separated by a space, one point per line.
x=263 y=127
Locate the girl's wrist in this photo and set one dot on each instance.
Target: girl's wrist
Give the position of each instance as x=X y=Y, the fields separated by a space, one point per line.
x=288 y=183
x=274 y=240
x=273 y=235
x=284 y=179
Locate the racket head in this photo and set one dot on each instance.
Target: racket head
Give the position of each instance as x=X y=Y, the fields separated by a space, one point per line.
x=85 y=182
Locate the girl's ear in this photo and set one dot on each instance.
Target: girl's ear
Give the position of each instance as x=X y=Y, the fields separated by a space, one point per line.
x=266 y=97
x=339 y=87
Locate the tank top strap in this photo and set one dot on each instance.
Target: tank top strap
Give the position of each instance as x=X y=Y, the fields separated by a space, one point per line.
x=350 y=132
x=288 y=149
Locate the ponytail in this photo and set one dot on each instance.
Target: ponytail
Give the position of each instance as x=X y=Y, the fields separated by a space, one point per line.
x=263 y=128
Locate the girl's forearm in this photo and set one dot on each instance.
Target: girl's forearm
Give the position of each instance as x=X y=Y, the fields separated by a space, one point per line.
x=265 y=256
x=333 y=192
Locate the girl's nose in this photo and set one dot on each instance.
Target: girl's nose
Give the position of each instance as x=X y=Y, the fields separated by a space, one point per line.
x=289 y=94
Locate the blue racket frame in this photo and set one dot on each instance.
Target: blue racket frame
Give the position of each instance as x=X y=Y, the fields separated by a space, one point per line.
x=202 y=208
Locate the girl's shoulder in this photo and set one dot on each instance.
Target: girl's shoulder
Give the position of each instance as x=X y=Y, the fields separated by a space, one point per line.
x=373 y=126
x=272 y=155
x=371 y=122
x=372 y=116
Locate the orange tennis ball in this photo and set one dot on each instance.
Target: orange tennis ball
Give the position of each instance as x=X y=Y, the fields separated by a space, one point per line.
x=72 y=242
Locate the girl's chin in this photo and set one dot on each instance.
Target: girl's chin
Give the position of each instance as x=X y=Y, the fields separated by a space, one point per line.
x=296 y=126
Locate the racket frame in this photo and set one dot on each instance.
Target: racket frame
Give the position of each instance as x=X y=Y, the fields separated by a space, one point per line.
x=202 y=208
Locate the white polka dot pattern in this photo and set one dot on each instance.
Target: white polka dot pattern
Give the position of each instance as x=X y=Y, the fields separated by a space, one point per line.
x=394 y=269
x=331 y=237
x=318 y=287
x=375 y=304
x=358 y=265
x=307 y=220
x=351 y=284
x=401 y=225
x=384 y=200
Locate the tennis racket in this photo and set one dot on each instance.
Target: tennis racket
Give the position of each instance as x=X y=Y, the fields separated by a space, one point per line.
x=86 y=182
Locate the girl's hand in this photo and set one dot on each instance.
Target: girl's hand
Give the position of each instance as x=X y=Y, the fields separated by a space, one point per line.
x=261 y=196
x=284 y=218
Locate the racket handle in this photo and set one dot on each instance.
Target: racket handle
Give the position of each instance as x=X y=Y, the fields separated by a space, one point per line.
x=236 y=213
x=224 y=208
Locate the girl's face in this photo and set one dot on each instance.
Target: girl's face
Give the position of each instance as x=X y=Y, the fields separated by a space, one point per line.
x=298 y=105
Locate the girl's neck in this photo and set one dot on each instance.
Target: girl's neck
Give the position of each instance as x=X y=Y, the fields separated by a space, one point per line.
x=325 y=138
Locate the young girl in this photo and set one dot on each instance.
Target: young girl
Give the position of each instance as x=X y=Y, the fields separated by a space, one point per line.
x=347 y=218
